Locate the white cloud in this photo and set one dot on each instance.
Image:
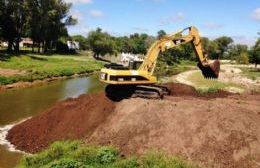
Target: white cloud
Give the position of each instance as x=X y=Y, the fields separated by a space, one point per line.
x=96 y=13
x=79 y=1
x=172 y=19
x=256 y=14
x=212 y=25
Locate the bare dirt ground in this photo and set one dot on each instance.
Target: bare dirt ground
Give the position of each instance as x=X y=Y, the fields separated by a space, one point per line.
x=10 y=72
x=228 y=74
x=216 y=130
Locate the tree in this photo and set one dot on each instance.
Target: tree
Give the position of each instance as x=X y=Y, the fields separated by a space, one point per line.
x=243 y=58
x=101 y=43
x=223 y=45
x=12 y=19
x=236 y=51
x=160 y=34
x=256 y=53
x=48 y=20
x=83 y=42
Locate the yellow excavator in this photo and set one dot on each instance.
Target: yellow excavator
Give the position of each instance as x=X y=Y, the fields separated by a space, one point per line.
x=138 y=79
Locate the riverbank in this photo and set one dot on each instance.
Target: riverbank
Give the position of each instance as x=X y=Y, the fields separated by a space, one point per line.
x=29 y=69
x=19 y=104
x=232 y=78
x=22 y=84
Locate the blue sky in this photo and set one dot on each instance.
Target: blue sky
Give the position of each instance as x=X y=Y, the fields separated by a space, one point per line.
x=239 y=19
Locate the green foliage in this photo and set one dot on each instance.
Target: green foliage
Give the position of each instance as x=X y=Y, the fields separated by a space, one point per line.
x=74 y=154
x=235 y=51
x=160 y=34
x=83 y=42
x=41 y=67
x=106 y=155
x=101 y=43
x=255 y=53
x=204 y=91
x=223 y=44
x=43 y=21
x=206 y=86
x=252 y=73
x=162 y=69
x=243 y=58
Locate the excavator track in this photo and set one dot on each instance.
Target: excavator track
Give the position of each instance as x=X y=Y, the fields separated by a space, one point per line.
x=119 y=92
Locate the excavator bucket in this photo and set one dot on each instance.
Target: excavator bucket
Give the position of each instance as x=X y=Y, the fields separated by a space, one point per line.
x=210 y=71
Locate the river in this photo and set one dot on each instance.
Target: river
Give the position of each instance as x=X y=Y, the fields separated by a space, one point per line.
x=19 y=104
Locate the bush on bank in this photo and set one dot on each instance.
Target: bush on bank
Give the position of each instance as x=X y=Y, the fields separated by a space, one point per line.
x=74 y=154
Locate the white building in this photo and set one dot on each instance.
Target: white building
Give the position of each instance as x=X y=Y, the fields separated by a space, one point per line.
x=127 y=57
x=73 y=45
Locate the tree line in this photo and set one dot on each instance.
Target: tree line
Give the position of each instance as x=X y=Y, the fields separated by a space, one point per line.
x=44 y=21
x=102 y=43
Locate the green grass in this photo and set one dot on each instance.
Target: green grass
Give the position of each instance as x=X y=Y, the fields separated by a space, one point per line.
x=204 y=86
x=163 y=70
x=67 y=154
x=251 y=73
x=38 y=67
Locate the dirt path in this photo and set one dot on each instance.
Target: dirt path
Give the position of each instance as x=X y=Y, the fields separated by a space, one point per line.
x=217 y=130
x=228 y=74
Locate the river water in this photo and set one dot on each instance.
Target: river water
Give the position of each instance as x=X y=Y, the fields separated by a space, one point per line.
x=16 y=105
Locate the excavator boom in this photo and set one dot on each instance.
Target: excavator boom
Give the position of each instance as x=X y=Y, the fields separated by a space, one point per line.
x=174 y=40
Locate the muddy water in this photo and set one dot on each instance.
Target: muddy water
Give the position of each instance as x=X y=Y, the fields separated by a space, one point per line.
x=16 y=105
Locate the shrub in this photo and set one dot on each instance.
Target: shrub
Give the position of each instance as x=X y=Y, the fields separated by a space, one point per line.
x=66 y=154
x=243 y=58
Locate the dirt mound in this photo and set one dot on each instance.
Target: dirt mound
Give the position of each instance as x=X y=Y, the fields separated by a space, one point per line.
x=222 y=132
x=215 y=130
x=69 y=119
x=178 y=89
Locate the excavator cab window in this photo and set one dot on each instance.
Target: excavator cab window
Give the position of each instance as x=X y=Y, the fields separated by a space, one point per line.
x=134 y=65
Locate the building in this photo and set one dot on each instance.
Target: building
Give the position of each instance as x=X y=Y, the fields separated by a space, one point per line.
x=26 y=42
x=73 y=45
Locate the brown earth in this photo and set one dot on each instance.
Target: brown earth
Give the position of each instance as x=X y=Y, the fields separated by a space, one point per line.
x=216 y=130
x=11 y=72
x=70 y=119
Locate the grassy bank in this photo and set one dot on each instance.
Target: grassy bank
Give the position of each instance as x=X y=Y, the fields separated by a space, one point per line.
x=163 y=70
x=38 y=67
x=76 y=155
x=206 y=86
x=252 y=73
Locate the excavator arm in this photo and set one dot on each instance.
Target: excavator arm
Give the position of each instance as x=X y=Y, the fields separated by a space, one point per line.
x=174 y=40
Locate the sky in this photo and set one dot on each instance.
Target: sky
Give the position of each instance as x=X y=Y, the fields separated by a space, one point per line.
x=239 y=19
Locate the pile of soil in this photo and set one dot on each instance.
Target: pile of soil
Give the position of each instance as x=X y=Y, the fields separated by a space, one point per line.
x=216 y=130
x=222 y=132
x=178 y=89
x=68 y=120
